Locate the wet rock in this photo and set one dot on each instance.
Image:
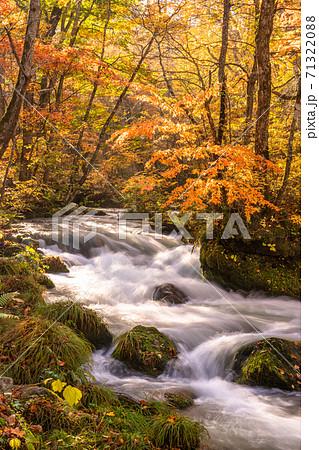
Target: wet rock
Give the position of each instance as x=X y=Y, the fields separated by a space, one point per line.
x=6 y=385
x=145 y=349
x=180 y=400
x=270 y=363
x=170 y=294
x=55 y=265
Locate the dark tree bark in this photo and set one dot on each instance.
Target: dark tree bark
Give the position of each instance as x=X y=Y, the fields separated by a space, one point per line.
x=27 y=134
x=221 y=72
x=251 y=84
x=9 y=121
x=295 y=117
x=47 y=86
x=265 y=27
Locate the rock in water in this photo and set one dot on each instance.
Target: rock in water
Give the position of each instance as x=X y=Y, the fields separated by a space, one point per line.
x=180 y=400
x=271 y=363
x=169 y=293
x=145 y=349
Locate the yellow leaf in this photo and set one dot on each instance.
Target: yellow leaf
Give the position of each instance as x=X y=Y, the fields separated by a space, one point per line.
x=58 y=385
x=15 y=443
x=110 y=414
x=72 y=395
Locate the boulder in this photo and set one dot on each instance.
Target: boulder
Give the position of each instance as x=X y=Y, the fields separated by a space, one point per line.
x=6 y=385
x=170 y=294
x=270 y=363
x=145 y=349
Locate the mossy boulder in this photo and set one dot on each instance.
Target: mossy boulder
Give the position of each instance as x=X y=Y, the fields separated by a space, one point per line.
x=270 y=363
x=54 y=264
x=248 y=267
x=145 y=349
x=83 y=320
x=179 y=400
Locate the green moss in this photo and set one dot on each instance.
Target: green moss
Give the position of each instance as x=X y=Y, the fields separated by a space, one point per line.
x=180 y=400
x=244 y=271
x=145 y=349
x=271 y=363
x=83 y=320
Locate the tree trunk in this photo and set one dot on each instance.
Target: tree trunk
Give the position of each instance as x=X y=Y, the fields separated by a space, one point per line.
x=252 y=79
x=295 y=116
x=265 y=27
x=27 y=133
x=9 y=121
x=221 y=72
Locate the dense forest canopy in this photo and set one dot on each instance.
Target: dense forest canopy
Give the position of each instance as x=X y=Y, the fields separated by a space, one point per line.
x=151 y=104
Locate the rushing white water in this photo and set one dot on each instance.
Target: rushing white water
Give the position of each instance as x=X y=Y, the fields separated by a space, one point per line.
x=117 y=277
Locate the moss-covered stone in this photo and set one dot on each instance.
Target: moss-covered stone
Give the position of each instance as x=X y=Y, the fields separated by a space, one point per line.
x=145 y=349
x=251 y=266
x=271 y=363
x=54 y=264
x=179 y=400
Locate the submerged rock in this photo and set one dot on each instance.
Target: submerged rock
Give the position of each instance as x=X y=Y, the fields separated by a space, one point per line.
x=145 y=349
x=271 y=363
x=55 y=265
x=170 y=294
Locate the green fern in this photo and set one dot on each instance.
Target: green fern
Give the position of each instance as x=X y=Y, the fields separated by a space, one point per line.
x=4 y=298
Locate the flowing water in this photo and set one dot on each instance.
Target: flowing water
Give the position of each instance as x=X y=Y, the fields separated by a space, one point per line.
x=117 y=277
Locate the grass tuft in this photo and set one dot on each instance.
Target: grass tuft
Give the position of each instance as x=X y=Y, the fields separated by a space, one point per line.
x=40 y=348
x=81 y=319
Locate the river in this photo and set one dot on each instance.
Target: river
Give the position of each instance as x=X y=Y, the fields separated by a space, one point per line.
x=116 y=278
